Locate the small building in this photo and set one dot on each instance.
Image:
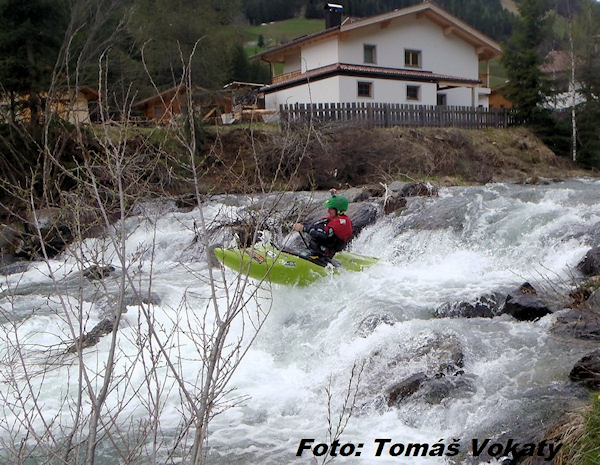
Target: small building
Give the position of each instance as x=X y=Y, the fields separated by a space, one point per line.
x=163 y=107
x=71 y=106
x=497 y=98
x=76 y=109
x=231 y=104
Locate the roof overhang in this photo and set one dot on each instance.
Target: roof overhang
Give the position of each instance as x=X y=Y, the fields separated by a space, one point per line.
x=372 y=72
x=485 y=47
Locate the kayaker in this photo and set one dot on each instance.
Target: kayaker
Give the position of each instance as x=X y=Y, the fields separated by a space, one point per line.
x=330 y=234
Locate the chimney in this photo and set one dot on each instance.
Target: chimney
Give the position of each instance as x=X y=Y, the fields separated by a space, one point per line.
x=333 y=15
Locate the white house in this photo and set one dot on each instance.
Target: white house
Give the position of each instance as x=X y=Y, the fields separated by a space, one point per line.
x=417 y=55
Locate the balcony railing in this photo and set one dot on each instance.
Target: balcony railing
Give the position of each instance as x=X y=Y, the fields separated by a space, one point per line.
x=286 y=77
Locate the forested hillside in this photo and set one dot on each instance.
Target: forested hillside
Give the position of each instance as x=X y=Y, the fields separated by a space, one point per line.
x=488 y=16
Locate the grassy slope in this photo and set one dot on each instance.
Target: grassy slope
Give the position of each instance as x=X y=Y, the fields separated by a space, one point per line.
x=278 y=32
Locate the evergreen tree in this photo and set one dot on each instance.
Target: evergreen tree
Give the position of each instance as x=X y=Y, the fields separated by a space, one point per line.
x=526 y=87
x=240 y=65
x=587 y=44
x=31 y=36
x=170 y=31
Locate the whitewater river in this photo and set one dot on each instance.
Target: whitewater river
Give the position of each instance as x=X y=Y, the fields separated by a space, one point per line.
x=509 y=381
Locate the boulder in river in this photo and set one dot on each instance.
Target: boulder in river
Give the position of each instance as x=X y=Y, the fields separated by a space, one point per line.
x=587 y=371
x=485 y=306
x=590 y=265
x=525 y=304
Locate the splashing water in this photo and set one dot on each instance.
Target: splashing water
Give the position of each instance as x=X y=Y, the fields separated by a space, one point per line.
x=466 y=243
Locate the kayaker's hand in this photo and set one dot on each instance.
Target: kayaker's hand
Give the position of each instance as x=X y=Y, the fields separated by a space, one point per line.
x=298 y=227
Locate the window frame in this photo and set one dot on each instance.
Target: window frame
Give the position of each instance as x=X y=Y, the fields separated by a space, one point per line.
x=369 y=84
x=373 y=51
x=409 y=55
x=409 y=89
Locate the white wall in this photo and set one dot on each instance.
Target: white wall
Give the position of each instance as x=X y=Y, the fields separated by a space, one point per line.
x=326 y=91
x=319 y=54
x=323 y=91
x=439 y=53
x=292 y=63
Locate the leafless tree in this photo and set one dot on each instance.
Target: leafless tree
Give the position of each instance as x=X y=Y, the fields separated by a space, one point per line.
x=117 y=357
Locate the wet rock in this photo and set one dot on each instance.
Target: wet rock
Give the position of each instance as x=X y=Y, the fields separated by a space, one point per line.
x=587 y=371
x=538 y=180
x=593 y=302
x=394 y=203
x=371 y=322
x=432 y=390
x=97 y=272
x=362 y=214
x=441 y=387
x=92 y=338
x=524 y=304
x=376 y=190
x=356 y=194
x=452 y=356
x=421 y=189
x=590 y=265
x=577 y=324
x=47 y=232
x=133 y=299
x=396 y=372
x=14 y=268
x=397 y=186
x=108 y=306
x=414 y=189
x=486 y=306
x=405 y=388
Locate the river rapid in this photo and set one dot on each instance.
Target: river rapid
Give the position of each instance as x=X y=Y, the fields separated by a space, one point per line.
x=313 y=361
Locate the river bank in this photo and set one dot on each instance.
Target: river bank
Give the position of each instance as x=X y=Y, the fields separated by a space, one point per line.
x=342 y=156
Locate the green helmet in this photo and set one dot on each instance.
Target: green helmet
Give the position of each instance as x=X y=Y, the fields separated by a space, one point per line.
x=339 y=202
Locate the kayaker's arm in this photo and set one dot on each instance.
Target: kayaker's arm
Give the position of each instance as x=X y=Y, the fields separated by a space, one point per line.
x=316 y=230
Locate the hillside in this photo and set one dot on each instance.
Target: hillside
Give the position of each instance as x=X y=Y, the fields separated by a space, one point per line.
x=492 y=17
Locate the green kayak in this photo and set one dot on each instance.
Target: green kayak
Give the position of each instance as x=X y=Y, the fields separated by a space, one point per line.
x=267 y=262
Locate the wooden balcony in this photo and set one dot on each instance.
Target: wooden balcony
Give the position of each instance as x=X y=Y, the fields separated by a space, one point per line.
x=286 y=77
x=485 y=79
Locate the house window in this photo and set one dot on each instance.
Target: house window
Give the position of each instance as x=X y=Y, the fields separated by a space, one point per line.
x=365 y=89
x=412 y=58
x=441 y=99
x=412 y=92
x=369 y=54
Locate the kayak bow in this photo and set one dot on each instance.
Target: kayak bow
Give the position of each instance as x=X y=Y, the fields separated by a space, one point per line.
x=268 y=263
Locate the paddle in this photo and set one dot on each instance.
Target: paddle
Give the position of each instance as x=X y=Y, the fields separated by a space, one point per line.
x=304 y=240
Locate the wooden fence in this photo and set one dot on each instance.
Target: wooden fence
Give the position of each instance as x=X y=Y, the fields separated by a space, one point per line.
x=387 y=115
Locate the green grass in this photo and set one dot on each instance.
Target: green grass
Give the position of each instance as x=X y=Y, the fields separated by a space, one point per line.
x=497 y=73
x=590 y=440
x=581 y=436
x=280 y=31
